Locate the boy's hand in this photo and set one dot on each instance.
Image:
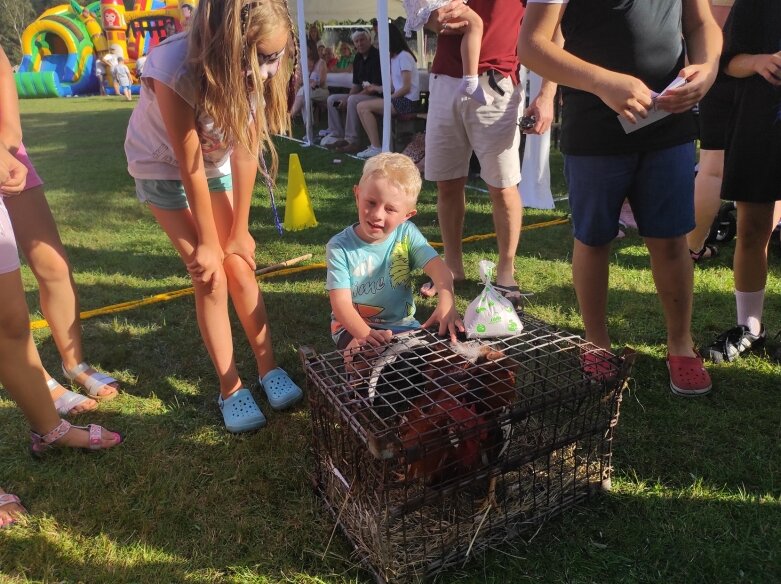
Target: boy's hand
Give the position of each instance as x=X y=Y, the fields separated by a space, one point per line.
x=206 y=266
x=242 y=245
x=13 y=174
x=449 y=321
x=626 y=95
x=699 y=79
x=375 y=338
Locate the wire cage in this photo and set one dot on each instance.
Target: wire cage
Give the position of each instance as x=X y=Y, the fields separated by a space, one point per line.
x=427 y=452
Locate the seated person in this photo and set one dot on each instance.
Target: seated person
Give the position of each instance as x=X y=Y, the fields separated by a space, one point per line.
x=318 y=81
x=405 y=96
x=330 y=59
x=345 y=61
x=370 y=262
x=366 y=71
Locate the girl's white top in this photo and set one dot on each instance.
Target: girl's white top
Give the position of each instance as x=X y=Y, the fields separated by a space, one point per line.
x=404 y=61
x=147 y=146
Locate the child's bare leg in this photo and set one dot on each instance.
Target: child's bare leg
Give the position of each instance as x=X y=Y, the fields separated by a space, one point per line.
x=470 y=58
x=211 y=306
x=244 y=290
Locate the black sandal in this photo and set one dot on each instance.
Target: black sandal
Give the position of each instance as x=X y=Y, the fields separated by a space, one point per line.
x=707 y=252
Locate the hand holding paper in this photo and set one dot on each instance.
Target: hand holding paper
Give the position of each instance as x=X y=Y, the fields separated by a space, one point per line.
x=654 y=114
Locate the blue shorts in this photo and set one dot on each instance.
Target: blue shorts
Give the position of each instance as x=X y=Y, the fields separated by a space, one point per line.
x=659 y=185
x=170 y=195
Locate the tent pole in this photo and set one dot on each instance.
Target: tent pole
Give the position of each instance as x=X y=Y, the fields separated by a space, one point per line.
x=382 y=30
x=307 y=111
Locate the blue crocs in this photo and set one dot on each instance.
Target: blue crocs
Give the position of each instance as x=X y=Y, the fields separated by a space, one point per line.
x=241 y=413
x=281 y=391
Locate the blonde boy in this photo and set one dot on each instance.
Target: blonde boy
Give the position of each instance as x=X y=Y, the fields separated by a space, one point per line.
x=370 y=262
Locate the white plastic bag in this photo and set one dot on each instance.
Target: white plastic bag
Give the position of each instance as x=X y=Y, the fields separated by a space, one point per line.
x=490 y=314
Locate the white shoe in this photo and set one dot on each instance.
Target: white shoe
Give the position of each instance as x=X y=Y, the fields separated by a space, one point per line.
x=324 y=133
x=369 y=152
x=330 y=139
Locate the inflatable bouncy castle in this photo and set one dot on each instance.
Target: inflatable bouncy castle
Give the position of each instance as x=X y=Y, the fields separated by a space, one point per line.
x=61 y=47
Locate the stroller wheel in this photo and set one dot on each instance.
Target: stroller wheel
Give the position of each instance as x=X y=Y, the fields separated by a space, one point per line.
x=725 y=226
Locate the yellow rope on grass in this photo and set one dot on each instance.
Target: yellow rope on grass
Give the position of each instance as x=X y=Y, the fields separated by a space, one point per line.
x=473 y=238
x=165 y=297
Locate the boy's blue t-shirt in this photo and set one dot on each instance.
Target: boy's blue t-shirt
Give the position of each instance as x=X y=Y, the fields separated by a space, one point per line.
x=378 y=275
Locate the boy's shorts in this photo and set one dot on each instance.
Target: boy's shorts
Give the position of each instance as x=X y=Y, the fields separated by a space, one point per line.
x=659 y=185
x=33 y=180
x=170 y=195
x=9 y=255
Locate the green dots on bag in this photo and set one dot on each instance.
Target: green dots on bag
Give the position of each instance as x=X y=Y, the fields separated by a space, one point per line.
x=495 y=319
x=480 y=309
x=480 y=328
x=512 y=326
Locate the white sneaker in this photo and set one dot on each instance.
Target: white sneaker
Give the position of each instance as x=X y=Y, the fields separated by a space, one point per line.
x=330 y=139
x=324 y=133
x=369 y=152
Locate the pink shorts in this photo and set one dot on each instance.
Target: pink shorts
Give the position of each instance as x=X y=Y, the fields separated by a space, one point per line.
x=33 y=180
x=9 y=255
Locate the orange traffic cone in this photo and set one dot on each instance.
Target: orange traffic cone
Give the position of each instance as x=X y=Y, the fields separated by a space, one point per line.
x=298 y=208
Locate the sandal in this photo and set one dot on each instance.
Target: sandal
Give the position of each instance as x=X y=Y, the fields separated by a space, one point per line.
x=513 y=294
x=9 y=499
x=688 y=377
x=707 y=252
x=281 y=391
x=95 y=381
x=240 y=412
x=39 y=445
x=68 y=400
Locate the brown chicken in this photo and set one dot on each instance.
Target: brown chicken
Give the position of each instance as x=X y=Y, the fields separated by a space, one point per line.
x=452 y=429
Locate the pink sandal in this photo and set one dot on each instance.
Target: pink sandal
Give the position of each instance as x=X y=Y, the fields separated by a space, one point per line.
x=688 y=377
x=40 y=444
x=9 y=499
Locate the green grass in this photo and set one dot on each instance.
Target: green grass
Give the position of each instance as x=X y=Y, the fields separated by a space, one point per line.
x=697 y=485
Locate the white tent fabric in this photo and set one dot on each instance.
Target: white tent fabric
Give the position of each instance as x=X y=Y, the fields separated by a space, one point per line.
x=343 y=10
x=351 y=10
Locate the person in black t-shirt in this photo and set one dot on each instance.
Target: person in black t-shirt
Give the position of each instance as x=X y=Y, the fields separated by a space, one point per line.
x=366 y=72
x=618 y=56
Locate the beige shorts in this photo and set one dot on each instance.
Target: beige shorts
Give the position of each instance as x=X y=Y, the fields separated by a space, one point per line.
x=456 y=125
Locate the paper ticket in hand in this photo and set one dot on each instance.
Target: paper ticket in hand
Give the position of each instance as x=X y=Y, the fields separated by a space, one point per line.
x=654 y=114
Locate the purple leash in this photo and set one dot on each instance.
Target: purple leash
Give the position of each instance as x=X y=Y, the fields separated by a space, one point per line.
x=270 y=187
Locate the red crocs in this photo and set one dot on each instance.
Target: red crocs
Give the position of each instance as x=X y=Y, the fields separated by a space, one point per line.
x=688 y=377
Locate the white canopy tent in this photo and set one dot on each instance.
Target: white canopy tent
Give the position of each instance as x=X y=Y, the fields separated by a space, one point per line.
x=348 y=10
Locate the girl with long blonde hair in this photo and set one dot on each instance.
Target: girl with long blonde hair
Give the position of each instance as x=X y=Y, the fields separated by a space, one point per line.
x=210 y=100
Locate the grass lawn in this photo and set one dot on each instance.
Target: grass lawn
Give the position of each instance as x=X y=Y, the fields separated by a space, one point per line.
x=697 y=484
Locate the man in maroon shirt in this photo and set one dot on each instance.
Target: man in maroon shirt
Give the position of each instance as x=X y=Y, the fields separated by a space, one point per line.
x=456 y=126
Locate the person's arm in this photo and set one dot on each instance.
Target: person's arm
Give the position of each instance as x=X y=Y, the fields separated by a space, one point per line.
x=13 y=174
x=745 y=65
x=541 y=107
x=348 y=317
x=538 y=50
x=703 y=48
x=445 y=313
x=323 y=71
x=179 y=119
x=445 y=20
x=244 y=170
x=10 y=122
